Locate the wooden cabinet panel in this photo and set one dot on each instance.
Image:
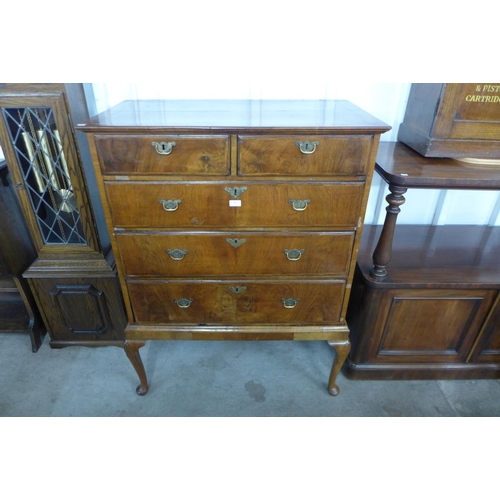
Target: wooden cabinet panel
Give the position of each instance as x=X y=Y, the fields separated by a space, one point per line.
x=431 y=325
x=487 y=346
x=324 y=155
x=188 y=155
x=77 y=309
x=239 y=253
x=244 y=301
x=199 y=205
x=489 y=349
x=82 y=308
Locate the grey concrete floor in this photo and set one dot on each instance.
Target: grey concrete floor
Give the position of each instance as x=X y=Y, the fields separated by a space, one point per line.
x=225 y=379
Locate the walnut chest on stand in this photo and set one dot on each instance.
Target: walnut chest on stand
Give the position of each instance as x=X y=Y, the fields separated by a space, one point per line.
x=235 y=220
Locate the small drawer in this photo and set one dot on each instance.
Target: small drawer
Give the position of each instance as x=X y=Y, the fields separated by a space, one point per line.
x=248 y=301
x=198 y=205
x=159 y=154
x=238 y=253
x=303 y=155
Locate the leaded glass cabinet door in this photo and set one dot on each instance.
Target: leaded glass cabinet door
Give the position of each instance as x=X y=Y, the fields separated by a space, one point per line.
x=38 y=137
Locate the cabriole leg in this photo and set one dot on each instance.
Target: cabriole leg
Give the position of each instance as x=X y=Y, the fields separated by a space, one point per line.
x=342 y=349
x=132 y=352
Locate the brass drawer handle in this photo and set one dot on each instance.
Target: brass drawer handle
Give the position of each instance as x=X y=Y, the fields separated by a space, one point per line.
x=293 y=254
x=306 y=147
x=177 y=254
x=163 y=148
x=236 y=242
x=170 y=205
x=237 y=289
x=236 y=191
x=290 y=303
x=299 y=205
x=183 y=303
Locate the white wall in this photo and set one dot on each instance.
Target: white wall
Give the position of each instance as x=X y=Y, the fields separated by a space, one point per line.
x=386 y=101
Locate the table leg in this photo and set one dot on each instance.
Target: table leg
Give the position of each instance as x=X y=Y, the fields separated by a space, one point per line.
x=342 y=349
x=132 y=352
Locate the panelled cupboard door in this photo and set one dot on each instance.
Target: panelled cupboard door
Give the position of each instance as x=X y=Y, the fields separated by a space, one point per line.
x=428 y=325
x=487 y=347
x=78 y=309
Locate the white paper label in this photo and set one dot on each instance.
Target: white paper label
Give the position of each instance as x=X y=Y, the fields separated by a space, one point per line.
x=235 y=203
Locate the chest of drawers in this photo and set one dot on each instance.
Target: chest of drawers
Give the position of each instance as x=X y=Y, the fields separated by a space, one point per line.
x=235 y=220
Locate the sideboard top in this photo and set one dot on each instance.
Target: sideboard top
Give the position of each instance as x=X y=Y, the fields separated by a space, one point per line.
x=235 y=116
x=400 y=165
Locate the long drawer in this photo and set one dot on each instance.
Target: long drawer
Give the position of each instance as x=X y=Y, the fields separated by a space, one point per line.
x=158 y=154
x=303 y=155
x=191 y=204
x=250 y=301
x=235 y=253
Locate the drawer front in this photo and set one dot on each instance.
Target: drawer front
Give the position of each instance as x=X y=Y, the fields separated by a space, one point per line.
x=198 y=205
x=304 y=155
x=224 y=253
x=237 y=302
x=179 y=155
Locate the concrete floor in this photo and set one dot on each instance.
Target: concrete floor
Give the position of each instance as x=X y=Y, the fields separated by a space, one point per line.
x=217 y=379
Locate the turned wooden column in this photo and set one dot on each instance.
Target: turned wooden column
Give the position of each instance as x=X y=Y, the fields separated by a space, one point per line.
x=383 y=251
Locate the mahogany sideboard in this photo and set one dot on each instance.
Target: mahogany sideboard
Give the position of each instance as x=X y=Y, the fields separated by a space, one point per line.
x=425 y=301
x=235 y=220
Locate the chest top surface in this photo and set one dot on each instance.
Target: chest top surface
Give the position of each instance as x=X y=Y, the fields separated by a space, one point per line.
x=235 y=116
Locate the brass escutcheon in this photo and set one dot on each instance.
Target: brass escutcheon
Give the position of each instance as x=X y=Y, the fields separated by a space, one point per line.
x=237 y=289
x=293 y=254
x=170 y=205
x=236 y=191
x=163 y=148
x=236 y=242
x=290 y=303
x=177 y=254
x=307 y=147
x=299 y=205
x=183 y=303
